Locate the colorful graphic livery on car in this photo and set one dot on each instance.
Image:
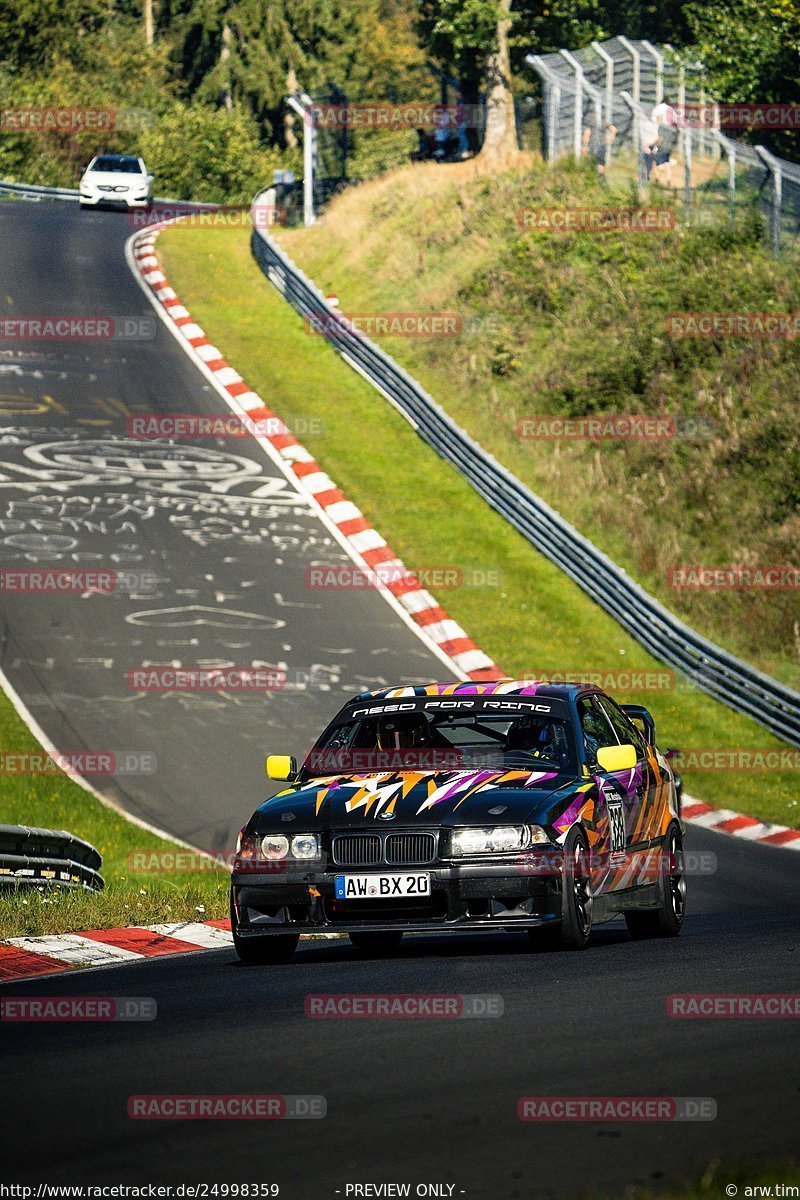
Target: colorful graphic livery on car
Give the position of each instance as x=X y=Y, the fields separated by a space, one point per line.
x=538 y=806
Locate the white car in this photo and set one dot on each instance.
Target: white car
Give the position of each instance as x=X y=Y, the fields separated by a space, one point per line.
x=118 y=179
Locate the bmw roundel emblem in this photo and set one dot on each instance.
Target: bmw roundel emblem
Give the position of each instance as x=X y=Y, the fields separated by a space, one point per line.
x=386 y=816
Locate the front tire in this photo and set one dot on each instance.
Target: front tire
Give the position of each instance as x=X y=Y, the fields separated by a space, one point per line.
x=667 y=919
x=260 y=951
x=575 y=928
x=376 y=944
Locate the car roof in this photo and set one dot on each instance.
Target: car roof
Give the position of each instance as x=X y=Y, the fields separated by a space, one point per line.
x=494 y=687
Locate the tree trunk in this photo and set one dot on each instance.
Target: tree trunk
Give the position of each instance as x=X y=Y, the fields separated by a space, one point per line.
x=224 y=58
x=148 y=22
x=500 y=137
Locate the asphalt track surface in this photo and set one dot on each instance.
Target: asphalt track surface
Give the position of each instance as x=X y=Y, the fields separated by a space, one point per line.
x=216 y=524
x=426 y=1100
x=408 y=1101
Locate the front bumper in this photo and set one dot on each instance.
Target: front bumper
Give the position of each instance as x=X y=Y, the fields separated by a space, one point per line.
x=94 y=199
x=516 y=892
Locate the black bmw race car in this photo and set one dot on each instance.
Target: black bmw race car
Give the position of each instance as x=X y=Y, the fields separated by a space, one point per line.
x=468 y=806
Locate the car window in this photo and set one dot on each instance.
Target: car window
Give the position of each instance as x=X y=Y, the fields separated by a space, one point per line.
x=124 y=166
x=623 y=726
x=597 y=730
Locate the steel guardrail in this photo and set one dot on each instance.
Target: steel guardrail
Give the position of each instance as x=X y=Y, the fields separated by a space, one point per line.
x=720 y=674
x=47 y=858
x=33 y=191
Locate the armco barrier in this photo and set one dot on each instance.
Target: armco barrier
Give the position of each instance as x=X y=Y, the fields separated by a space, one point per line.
x=32 y=191
x=47 y=858
x=668 y=639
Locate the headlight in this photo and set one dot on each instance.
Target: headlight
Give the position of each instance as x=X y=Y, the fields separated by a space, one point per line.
x=305 y=845
x=275 y=846
x=500 y=839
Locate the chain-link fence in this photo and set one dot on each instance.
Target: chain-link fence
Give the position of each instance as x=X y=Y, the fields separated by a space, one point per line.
x=598 y=101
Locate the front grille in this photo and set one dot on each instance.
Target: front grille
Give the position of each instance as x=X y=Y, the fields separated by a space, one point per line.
x=357 y=849
x=410 y=849
x=400 y=848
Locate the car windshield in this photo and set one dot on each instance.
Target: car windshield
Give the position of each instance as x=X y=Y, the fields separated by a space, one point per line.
x=432 y=738
x=123 y=166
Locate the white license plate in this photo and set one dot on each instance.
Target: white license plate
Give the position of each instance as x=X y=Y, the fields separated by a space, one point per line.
x=381 y=887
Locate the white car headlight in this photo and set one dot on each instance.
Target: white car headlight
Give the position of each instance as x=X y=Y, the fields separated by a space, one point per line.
x=499 y=839
x=305 y=845
x=275 y=846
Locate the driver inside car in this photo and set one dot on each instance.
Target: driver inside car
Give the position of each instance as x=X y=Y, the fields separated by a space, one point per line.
x=529 y=738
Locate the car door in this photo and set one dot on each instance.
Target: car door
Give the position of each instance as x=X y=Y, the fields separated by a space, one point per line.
x=645 y=801
x=616 y=797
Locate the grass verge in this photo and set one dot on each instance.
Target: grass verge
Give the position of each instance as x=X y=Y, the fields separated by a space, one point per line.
x=130 y=897
x=536 y=621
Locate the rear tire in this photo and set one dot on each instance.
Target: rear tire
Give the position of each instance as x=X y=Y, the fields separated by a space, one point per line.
x=667 y=919
x=575 y=928
x=376 y=944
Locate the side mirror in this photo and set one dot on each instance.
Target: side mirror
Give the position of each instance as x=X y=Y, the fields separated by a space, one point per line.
x=283 y=767
x=641 y=715
x=617 y=758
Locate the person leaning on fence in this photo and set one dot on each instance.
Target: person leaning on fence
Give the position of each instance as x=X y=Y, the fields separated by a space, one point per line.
x=658 y=139
x=597 y=145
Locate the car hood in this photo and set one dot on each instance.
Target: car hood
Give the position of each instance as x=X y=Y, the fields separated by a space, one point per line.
x=421 y=798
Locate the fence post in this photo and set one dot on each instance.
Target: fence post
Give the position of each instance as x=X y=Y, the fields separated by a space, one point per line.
x=637 y=72
x=773 y=165
x=687 y=169
x=715 y=146
x=659 y=61
x=552 y=95
x=577 y=126
x=304 y=107
x=608 y=60
x=636 y=136
x=701 y=135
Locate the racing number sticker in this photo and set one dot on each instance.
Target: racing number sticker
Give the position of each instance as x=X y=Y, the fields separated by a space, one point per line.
x=616 y=822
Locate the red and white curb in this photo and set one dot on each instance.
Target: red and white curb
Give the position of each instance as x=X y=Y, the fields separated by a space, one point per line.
x=366 y=546
x=25 y=957
x=724 y=820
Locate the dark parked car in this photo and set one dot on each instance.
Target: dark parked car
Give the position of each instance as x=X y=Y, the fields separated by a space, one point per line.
x=513 y=805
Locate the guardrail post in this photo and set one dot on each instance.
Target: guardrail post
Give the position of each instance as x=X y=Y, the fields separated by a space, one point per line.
x=773 y=165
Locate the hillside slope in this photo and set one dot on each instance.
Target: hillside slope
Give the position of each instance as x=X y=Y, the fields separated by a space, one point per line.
x=574 y=324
